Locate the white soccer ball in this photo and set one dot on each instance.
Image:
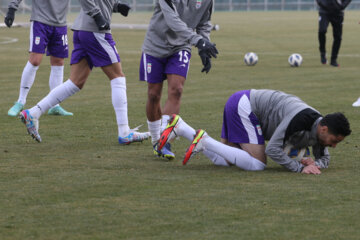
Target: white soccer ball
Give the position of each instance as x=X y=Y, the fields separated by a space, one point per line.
x=295 y=60
x=296 y=154
x=251 y=59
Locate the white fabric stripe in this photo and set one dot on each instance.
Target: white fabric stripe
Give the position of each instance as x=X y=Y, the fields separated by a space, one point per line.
x=100 y=37
x=144 y=62
x=31 y=35
x=187 y=70
x=244 y=110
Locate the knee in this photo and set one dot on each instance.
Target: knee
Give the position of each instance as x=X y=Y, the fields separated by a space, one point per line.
x=154 y=97
x=176 y=92
x=35 y=62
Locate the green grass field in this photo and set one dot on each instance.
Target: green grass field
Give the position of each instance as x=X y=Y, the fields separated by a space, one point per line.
x=80 y=184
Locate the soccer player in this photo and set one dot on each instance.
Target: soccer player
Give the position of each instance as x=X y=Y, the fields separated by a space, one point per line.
x=48 y=31
x=331 y=11
x=253 y=116
x=93 y=46
x=174 y=28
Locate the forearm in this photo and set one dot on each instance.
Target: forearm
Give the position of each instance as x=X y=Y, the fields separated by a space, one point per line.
x=174 y=22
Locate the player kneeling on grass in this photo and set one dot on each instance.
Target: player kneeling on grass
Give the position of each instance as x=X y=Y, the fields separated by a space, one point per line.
x=93 y=46
x=253 y=116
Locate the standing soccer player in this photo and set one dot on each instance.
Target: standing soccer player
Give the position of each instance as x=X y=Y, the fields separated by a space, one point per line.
x=174 y=28
x=331 y=11
x=93 y=46
x=253 y=116
x=47 y=31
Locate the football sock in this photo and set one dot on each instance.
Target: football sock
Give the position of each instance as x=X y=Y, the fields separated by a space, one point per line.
x=216 y=158
x=233 y=155
x=56 y=77
x=119 y=101
x=154 y=129
x=56 y=96
x=184 y=130
x=164 y=121
x=27 y=80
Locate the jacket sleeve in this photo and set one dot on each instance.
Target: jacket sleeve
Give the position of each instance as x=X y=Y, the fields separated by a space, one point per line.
x=174 y=22
x=345 y=3
x=322 y=156
x=14 y=4
x=205 y=26
x=274 y=150
x=89 y=7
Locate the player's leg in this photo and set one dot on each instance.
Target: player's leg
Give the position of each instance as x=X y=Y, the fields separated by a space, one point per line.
x=38 y=42
x=323 y=25
x=337 y=24
x=151 y=70
x=80 y=70
x=79 y=73
x=240 y=128
x=58 y=50
x=176 y=70
x=232 y=155
x=103 y=53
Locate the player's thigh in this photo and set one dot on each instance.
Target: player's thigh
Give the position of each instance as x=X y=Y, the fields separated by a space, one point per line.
x=113 y=71
x=323 y=23
x=255 y=150
x=175 y=84
x=337 y=24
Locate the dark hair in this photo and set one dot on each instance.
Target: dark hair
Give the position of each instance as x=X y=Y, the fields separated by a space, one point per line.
x=337 y=124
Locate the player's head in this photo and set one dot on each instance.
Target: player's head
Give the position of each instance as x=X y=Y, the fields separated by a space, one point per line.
x=332 y=129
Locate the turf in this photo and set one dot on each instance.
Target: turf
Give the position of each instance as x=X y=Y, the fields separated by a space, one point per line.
x=80 y=184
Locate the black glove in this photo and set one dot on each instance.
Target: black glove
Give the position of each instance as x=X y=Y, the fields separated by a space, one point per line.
x=101 y=23
x=123 y=8
x=10 y=16
x=206 y=61
x=209 y=48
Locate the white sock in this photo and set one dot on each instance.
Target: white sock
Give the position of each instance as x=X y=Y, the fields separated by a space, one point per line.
x=164 y=121
x=56 y=96
x=56 y=77
x=27 y=80
x=119 y=101
x=233 y=155
x=184 y=130
x=216 y=158
x=154 y=129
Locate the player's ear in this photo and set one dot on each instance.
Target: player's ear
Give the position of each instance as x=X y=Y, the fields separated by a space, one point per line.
x=324 y=129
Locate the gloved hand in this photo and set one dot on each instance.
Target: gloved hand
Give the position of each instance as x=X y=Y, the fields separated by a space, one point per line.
x=206 y=51
x=205 y=46
x=101 y=22
x=123 y=8
x=206 y=61
x=10 y=17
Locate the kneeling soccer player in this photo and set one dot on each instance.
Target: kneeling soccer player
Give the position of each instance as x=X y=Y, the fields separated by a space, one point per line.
x=253 y=116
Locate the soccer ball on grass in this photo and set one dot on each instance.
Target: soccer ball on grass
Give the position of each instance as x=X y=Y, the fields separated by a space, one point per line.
x=295 y=60
x=250 y=59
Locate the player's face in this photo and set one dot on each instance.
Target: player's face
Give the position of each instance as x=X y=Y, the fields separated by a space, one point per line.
x=328 y=139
